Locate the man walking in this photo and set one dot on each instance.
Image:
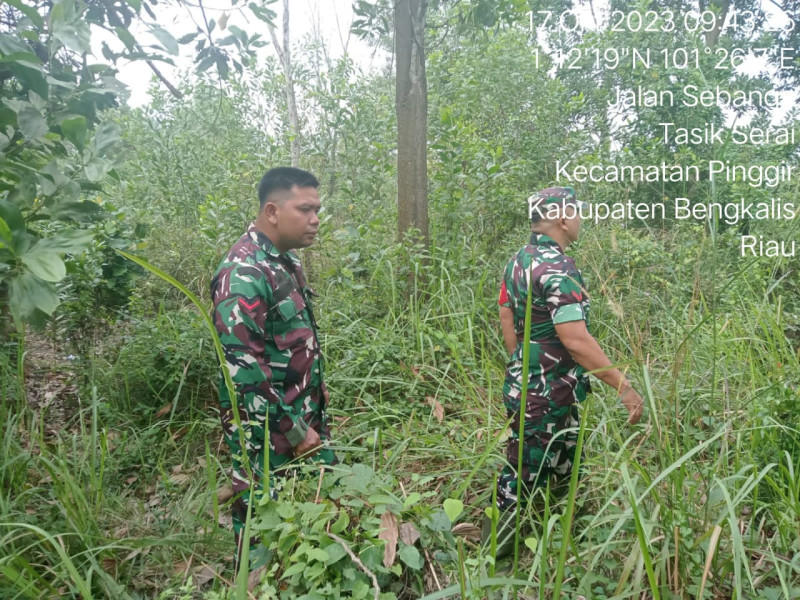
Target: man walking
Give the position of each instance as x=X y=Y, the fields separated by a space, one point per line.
x=561 y=348
x=264 y=318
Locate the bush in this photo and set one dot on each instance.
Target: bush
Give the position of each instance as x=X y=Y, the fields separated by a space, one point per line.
x=311 y=540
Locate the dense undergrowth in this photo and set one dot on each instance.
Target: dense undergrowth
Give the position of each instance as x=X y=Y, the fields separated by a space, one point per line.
x=108 y=495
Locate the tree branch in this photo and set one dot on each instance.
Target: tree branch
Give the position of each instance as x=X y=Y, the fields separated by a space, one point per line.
x=360 y=564
x=173 y=90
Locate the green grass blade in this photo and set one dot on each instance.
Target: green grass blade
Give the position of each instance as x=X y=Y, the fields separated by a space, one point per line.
x=640 y=533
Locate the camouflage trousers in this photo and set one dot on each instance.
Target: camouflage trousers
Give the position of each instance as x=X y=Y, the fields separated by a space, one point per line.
x=281 y=463
x=547 y=450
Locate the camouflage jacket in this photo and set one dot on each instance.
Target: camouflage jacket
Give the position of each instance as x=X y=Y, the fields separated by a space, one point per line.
x=263 y=315
x=559 y=296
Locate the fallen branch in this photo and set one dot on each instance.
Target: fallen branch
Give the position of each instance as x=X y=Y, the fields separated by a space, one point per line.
x=360 y=564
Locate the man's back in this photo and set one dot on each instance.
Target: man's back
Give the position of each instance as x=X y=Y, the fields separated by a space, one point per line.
x=558 y=295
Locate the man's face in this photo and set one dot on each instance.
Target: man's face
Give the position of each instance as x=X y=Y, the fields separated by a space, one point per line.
x=294 y=217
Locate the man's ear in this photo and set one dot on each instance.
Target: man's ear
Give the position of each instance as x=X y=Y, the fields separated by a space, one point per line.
x=270 y=212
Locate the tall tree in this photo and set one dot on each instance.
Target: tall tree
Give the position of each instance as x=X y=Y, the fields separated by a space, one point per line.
x=285 y=55
x=411 y=102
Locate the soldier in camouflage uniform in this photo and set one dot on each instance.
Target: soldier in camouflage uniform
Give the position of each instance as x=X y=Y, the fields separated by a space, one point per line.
x=263 y=315
x=561 y=348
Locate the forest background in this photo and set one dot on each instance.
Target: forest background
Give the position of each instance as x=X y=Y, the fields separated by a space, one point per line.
x=114 y=480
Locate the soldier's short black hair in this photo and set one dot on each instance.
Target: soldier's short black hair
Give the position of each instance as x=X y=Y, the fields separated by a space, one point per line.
x=283 y=178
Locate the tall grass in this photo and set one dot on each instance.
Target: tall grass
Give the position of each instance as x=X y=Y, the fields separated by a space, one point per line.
x=701 y=500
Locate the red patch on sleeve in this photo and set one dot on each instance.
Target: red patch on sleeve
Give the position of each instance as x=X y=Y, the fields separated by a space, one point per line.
x=577 y=296
x=503 y=293
x=247 y=306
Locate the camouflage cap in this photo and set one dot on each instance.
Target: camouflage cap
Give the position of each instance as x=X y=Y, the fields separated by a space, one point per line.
x=538 y=202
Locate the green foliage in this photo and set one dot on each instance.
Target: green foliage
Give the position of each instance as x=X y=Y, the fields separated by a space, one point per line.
x=306 y=561
x=54 y=146
x=110 y=485
x=159 y=359
x=99 y=282
x=51 y=158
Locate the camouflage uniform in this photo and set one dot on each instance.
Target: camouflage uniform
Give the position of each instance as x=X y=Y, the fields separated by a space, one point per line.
x=556 y=381
x=263 y=315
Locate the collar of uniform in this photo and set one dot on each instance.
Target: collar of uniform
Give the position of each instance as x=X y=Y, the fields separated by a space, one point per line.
x=540 y=239
x=260 y=238
x=288 y=258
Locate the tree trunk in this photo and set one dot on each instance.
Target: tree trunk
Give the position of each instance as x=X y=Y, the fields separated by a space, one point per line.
x=411 y=103
x=712 y=37
x=285 y=56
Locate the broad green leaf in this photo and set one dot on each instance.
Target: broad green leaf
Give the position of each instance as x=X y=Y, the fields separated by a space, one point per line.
x=108 y=53
x=74 y=130
x=10 y=45
x=188 y=37
x=222 y=66
x=31 y=123
x=12 y=216
x=27 y=294
x=453 y=508
x=68 y=192
x=311 y=573
x=335 y=552
x=413 y=498
x=439 y=521
x=106 y=135
x=238 y=32
x=29 y=59
x=169 y=43
x=262 y=13
x=97 y=168
x=5 y=231
x=228 y=40
x=286 y=511
x=66 y=84
x=81 y=212
x=74 y=36
x=45 y=264
x=126 y=37
x=62 y=11
x=8 y=118
x=341 y=523
x=318 y=554
x=24 y=192
x=71 y=241
x=294 y=570
x=31 y=76
x=204 y=59
x=410 y=556
x=52 y=173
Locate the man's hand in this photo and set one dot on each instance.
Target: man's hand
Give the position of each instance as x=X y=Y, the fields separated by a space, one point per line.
x=631 y=399
x=310 y=445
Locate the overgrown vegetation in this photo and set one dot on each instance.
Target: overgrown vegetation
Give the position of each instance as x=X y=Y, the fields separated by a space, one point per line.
x=113 y=475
